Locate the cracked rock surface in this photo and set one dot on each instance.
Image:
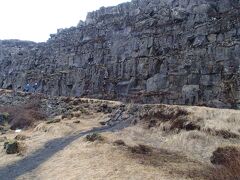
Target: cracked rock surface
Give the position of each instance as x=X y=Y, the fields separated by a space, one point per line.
x=144 y=51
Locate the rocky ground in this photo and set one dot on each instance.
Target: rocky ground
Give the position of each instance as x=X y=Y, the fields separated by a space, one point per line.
x=77 y=138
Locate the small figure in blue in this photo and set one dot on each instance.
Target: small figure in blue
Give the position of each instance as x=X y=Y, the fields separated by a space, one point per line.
x=27 y=88
x=35 y=86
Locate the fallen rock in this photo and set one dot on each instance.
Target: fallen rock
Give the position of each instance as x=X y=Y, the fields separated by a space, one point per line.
x=11 y=147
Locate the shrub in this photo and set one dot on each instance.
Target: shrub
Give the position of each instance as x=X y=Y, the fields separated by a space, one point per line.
x=51 y=121
x=226 y=134
x=3 y=118
x=23 y=116
x=227 y=161
x=67 y=115
x=5 y=115
x=119 y=143
x=225 y=155
x=94 y=137
x=84 y=111
x=20 y=137
x=77 y=114
x=175 y=116
x=141 y=149
x=76 y=102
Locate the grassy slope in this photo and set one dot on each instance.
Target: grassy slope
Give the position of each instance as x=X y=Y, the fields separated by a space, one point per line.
x=175 y=152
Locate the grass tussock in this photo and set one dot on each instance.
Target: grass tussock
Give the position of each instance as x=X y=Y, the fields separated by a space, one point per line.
x=141 y=149
x=94 y=137
x=119 y=143
x=226 y=134
x=227 y=164
x=164 y=113
x=225 y=155
x=176 y=118
x=20 y=137
x=154 y=156
x=162 y=158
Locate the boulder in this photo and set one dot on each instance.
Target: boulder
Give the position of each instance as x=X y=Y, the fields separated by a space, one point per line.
x=11 y=147
x=190 y=94
x=157 y=82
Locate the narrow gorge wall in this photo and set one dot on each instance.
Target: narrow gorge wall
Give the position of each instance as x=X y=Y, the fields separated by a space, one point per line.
x=151 y=51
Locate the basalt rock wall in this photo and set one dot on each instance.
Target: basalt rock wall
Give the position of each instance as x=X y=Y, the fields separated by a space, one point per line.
x=151 y=51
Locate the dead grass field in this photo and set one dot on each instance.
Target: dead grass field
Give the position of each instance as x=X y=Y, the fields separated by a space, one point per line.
x=166 y=142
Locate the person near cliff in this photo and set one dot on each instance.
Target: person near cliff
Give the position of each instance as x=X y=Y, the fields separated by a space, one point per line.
x=27 y=88
x=35 y=86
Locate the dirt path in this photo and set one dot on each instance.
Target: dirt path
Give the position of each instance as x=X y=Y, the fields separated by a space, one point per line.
x=31 y=162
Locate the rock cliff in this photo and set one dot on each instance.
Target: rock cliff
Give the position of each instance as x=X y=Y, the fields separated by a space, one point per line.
x=152 y=51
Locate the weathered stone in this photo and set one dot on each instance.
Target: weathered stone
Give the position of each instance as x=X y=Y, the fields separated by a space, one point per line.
x=190 y=94
x=210 y=80
x=156 y=83
x=199 y=41
x=11 y=147
x=179 y=14
x=212 y=37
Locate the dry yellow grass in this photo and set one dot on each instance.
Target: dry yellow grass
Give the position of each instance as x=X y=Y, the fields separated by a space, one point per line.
x=175 y=154
x=83 y=160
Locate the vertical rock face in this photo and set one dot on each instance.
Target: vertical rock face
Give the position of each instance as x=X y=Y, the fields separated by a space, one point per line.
x=154 y=51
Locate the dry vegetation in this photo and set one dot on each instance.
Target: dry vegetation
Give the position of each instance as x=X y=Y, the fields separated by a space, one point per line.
x=227 y=161
x=23 y=116
x=173 y=118
x=94 y=137
x=163 y=142
x=203 y=135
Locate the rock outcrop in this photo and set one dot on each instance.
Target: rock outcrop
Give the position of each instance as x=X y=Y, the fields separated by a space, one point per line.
x=154 y=51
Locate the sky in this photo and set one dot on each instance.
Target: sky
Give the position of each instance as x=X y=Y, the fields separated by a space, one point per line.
x=35 y=20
